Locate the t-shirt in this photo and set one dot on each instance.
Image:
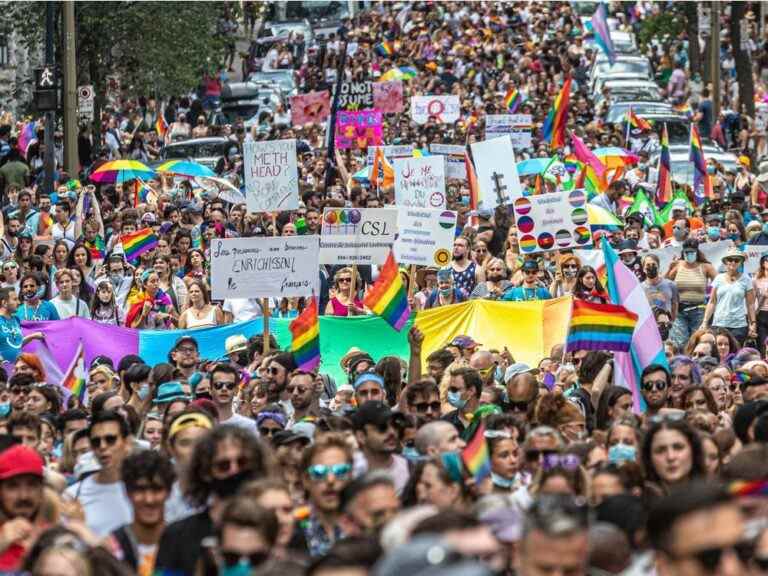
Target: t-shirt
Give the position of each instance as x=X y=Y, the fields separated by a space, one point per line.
x=241 y=422
x=11 y=338
x=398 y=470
x=106 y=506
x=661 y=295
x=523 y=294
x=180 y=548
x=731 y=306
x=243 y=309
x=44 y=310
x=69 y=308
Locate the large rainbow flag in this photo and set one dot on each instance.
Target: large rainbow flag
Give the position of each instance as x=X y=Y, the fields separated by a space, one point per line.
x=305 y=338
x=664 y=181
x=557 y=118
x=388 y=298
x=600 y=327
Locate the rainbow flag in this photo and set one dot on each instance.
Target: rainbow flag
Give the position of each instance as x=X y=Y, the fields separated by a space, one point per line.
x=557 y=118
x=585 y=155
x=385 y=48
x=513 y=99
x=134 y=245
x=73 y=382
x=636 y=122
x=305 y=338
x=161 y=126
x=702 y=185
x=97 y=248
x=749 y=488
x=388 y=298
x=600 y=327
x=476 y=456
x=664 y=182
x=601 y=32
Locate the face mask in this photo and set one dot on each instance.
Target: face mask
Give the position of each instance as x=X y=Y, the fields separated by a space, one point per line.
x=501 y=482
x=652 y=272
x=733 y=237
x=411 y=454
x=204 y=394
x=628 y=260
x=242 y=568
x=116 y=279
x=445 y=292
x=620 y=453
x=5 y=409
x=765 y=228
x=454 y=399
x=678 y=233
x=713 y=232
x=690 y=257
x=143 y=391
x=664 y=332
x=498 y=374
x=225 y=487
x=569 y=272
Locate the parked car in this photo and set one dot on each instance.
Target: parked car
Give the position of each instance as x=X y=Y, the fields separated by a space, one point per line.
x=206 y=151
x=283 y=78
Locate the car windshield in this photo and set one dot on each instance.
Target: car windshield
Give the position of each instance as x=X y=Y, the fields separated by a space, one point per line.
x=187 y=150
x=317 y=9
x=233 y=113
x=625 y=67
x=618 y=110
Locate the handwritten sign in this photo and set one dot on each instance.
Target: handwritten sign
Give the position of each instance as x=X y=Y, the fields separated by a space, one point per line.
x=357 y=235
x=497 y=179
x=271 y=175
x=518 y=126
x=388 y=96
x=555 y=221
x=358 y=129
x=441 y=109
x=264 y=267
x=420 y=182
x=311 y=108
x=356 y=96
x=425 y=237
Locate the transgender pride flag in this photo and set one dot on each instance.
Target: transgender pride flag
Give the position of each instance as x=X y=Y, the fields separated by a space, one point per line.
x=624 y=288
x=602 y=33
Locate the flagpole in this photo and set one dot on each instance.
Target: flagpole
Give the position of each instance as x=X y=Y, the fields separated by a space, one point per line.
x=629 y=120
x=267 y=313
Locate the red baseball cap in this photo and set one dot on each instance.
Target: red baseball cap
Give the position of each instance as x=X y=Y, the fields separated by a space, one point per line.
x=19 y=460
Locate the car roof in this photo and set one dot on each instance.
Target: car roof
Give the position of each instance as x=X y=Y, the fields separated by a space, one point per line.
x=208 y=140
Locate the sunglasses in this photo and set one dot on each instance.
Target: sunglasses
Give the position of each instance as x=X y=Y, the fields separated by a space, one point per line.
x=570 y=267
x=526 y=272
x=274 y=371
x=108 y=440
x=344 y=280
x=296 y=389
x=224 y=466
x=521 y=406
x=535 y=455
x=732 y=260
x=222 y=385
x=424 y=407
x=710 y=558
x=659 y=385
x=186 y=349
x=19 y=390
x=321 y=472
x=233 y=559
x=269 y=431
x=567 y=461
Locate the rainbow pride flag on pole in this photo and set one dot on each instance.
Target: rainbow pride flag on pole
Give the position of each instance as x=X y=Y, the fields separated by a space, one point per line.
x=600 y=327
x=134 y=245
x=385 y=48
x=664 y=181
x=74 y=379
x=513 y=99
x=305 y=338
x=476 y=456
x=554 y=124
x=161 y=126
x=702 y=185
x=602 y=33
x=388 y=298
x=637 y=122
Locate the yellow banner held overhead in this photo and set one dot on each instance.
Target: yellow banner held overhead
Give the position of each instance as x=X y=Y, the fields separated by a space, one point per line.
x=527 y=329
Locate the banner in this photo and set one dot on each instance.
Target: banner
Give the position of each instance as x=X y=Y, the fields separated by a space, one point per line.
x=518 y=126
x=264 y=267
x=358 y=129
x=420 y=182
x=356 y=96
x=388 y=96
x=455 y=165
x=442 y=109
x=357 y=235
x=752 y=252
x=271 y=175
x=311 y=108
x=497 y=178
x=390 y=152
x=425 y=237
x=555 y=221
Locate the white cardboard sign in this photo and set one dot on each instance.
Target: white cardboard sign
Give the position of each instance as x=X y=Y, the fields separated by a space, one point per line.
x=554 y=221
x=444 y=109
x=497 y=178
x=425 y=237
x=357 y=235
x=420 y=182
x=271 y=175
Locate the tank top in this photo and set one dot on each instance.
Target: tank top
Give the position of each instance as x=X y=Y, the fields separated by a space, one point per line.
x=207 y=320
x=465 y=280
x=341 y=309
x=691 y=284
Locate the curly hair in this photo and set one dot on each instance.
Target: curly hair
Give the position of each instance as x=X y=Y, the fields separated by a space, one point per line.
x=555 y=410
x=197 y=487
x=147 y=465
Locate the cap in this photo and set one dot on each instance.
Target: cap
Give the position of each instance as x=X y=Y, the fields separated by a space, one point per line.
x=192 y=420
x=484 y=213
x=168 y=392
x=464 y=342
x=236 y=343
x=679 y=204
x=183 y=339
x=373 y=412
x=518 y=368
x=351 y=353
x=628 y=247
x=531 y=265
x=285 y=437
x=20 y=460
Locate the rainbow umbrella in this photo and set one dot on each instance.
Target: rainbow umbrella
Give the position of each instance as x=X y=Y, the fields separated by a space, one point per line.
x=186 y=168
x=119 y=171
x=400 y=73
x=615 y=157
x=532 y=166
x=601 y=219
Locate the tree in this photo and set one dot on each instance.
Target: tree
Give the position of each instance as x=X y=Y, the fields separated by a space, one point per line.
x=743 y=61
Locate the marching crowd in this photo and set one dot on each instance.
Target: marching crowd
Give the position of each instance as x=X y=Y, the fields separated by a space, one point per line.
x=249 y=465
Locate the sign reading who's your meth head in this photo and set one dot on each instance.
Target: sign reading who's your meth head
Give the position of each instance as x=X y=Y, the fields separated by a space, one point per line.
x=271 y=175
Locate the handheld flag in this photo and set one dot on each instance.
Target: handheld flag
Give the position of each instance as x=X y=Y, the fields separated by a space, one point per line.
x=161 y=126
x=664 y=182
x=476 y=457
x=600 y=327
x=585 y=155
x=388 y=298
x=74 y=379
x=97 y=248
x=305 y=342
x=385 y=49
x=702 y=185
x=513 y=99
x=602 y=32
x=637 y=122
x=135 y=244
x=557 y=118
x=382 y=174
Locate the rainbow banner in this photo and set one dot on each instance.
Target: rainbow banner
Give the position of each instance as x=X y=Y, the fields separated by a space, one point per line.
x=74 y=379
x=664 y=181
x=135 y=244
x=602 y=33
x=557 y=118
x=513 y=99
x=388 y=298
x=305 y=338
x=600 y=327
x=476 y=456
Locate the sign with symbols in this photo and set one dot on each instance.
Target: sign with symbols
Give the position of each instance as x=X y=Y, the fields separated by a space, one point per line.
x=554 y=221
x=455 y=163
x=441 y=109
x=85 y=102
x=425 y=237
x=357 y=235
x=497 y=179
x=518 y=126
x=420 y=182
x=271 y=175
x=45 y=78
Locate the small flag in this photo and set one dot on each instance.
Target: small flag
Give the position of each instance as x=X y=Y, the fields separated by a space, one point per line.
x=97 y=248
x=600 y=327
x=134 y=245
x=585 y=155
x=382 y=174
x=305 y=343
x=161 y=126
x=74 y=379
x=385 y=49
x=602 y=33
x=637 y=122
x=702 y=185
x=557 y=118
x=388 y=298
x=749 y=488
x=513 y=99
x=664 y=181
x=476 y=457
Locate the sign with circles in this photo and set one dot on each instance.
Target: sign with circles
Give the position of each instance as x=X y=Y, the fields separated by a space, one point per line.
x=425 y=237
x=357 y=235
x=556 y=221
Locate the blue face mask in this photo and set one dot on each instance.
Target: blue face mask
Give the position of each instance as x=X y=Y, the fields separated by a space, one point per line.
x=239 y=569
x=501 y=482
x=690 y=257
x=765 y=228
x=454 y=399
x=713 y=232
x=733 y=237
x=411 y=454
x=5 y=409
x=498 y=374
x=620 y=453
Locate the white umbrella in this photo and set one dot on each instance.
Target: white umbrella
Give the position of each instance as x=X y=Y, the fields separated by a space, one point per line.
x=222 y=188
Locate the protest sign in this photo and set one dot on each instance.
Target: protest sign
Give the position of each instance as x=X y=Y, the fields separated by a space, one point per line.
x=264 y=267
x=497 y=179
x=753 y=254
x=357 y=235
x=455 y=164
x=518 y=126
x=311 y=108
x=425 y=237
x=443 y=109
x=358 y=129
x=388 y=96
x=271 y=175
x=420 y=182
x=355 y=96
x=554 y=221
x=390 y=152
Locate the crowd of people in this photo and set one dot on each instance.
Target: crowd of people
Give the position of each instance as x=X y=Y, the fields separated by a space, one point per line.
x=246 y=464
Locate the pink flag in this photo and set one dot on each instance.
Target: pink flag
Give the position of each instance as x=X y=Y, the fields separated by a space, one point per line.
x=585 y=155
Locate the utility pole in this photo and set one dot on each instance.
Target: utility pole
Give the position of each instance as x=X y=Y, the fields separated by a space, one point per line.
x=49 y=159
x=714 y=43
x=70 y=94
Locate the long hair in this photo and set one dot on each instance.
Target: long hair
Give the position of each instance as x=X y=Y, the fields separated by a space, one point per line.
x=697 y=454
x=579 y=289
x=33 y=362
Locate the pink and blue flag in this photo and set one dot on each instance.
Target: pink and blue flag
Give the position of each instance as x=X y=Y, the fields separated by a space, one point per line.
x=647 y=348
x=602 y=33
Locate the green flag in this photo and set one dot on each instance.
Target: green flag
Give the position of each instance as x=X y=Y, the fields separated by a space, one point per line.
x=643 y=205
x=666 y=212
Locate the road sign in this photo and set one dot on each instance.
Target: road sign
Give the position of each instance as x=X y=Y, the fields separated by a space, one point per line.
x=85 y=102
x=45 y=78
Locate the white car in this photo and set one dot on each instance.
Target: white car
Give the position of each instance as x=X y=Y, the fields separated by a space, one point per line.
x=628 y=83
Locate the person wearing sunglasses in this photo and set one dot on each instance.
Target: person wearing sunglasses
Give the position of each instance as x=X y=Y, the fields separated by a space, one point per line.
x=376 y=432
x=269 y=421
x=102 y=495
x=304 y=392
x=699 y=530
x=654 y=386
x=530 y=289
x=224 y=382
x=277 y=374
x=422 y=398
x=185 y=355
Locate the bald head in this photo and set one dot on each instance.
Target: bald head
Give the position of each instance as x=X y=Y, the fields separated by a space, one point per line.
x=437 y=437
x=481 y=360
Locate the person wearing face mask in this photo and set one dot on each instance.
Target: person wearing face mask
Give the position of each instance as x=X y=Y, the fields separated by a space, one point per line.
x=713 y=228
x=496 y=282
x=565 y=276
x=663 y=322
x=628 y=255
x=34 y=307
x=761 y=239
x=463 y=395
x=445 y=293
x=661 y=293
x=691 y=274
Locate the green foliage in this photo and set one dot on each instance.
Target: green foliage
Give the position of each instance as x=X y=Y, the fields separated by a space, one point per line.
x=669 y=23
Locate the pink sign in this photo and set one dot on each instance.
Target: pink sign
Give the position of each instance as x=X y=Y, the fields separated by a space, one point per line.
x=358 y=129
x=388 y=96
x=311 y=108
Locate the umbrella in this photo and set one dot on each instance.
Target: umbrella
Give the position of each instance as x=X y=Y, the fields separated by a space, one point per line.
x=186 y=168
x=119 y=171
x=401 y=73
x=614 y=157
x=532 y=166
x=362 y=175
x=224 y=189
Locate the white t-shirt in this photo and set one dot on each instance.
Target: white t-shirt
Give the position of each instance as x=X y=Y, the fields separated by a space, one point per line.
x=243 y=309
x=69 y=308
x=398 y=470
x=106 y=506
x=242 y=422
